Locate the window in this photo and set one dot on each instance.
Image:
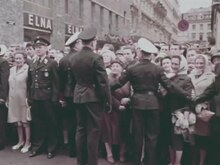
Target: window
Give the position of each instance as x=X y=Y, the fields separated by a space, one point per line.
x=81 y=8
x=209 y=26
x=117 y=23
x=201 y=26
x=209 y=34
x=110 y=21
x=200 y=36
x=66 y=6
x=92 y=11
x=101 y=16
x=193 y=27
x=125 y=17
x=193 y=36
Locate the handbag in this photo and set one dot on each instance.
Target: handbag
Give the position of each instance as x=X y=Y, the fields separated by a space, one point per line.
x=183 y=120
x=28 y=112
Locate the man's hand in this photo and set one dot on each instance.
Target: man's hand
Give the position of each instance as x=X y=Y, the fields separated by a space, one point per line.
x=63 y=103
x=2 y=103
x=125 y=101
x=206 y=115
x=122 y=108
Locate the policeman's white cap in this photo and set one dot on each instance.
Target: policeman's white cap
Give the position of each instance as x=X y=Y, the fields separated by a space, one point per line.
x=147 y=46
x=3 y=50
x=72 y=39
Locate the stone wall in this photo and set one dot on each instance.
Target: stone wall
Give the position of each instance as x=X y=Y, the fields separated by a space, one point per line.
x=11 y=22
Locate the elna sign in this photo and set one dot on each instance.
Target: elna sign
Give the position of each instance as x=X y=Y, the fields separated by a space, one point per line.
x=183 y=25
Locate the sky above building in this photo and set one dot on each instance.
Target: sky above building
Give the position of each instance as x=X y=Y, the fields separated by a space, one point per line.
x=186 y=5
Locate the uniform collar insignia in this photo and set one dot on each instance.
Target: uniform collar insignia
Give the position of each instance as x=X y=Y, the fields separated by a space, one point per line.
x=45 y=61
x=35 y=59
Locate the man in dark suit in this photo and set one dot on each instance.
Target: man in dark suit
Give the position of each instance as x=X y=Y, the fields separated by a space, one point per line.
x=145 y=78
x=43 y=88
x=67 y=84
x=91 y=94
x=4 y=74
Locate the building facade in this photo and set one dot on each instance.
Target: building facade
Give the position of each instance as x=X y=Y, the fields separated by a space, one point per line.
x=56 y=20
x=155 y=19
x=216 y=22
x=199 y=25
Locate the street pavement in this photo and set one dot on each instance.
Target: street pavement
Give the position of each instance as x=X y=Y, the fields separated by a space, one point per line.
x=10 y=157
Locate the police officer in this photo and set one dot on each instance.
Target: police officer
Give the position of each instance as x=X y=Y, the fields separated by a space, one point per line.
x=4 y=74
x=66 y=88
x=91 y=93
x=43 y=90
x=145 y=78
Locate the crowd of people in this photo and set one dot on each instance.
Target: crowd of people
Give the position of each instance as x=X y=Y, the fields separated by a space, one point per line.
x=154 y=103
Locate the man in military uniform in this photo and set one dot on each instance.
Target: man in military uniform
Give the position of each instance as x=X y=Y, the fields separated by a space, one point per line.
x=4 y=74
x=43 y=88
x=66 y=88
x=91 y=93
x=145 y=78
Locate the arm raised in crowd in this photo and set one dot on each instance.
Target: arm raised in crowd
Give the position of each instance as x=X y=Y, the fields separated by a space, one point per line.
x=174 y=88
x=125 y=77
x=207 y=94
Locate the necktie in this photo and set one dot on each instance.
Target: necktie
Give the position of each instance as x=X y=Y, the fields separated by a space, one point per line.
x=38 y=62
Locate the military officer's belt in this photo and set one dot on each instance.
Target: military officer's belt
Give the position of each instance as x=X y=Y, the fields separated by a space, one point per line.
x=145 y=92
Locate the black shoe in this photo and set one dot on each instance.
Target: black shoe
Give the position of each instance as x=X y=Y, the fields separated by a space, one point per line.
x=50 y=155
x=1 y=147
x=33 y=154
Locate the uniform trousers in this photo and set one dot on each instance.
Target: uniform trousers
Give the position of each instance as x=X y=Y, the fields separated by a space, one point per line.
x=146 y=128
x=71 y=123
x=3 y=120
x=44 y=125
x=89 y=124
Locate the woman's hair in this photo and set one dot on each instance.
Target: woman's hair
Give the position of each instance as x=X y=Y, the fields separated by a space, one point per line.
x=164 y=58
x=206 y=61
x=200 y=56
x=22 y=53
x=109 y=52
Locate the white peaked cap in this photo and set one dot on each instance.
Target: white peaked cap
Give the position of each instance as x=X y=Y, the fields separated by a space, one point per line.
x=72 y=39
x=147 y=46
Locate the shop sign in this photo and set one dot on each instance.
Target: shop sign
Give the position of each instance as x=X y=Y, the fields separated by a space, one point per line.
x=71 y=29
x=38 y=22
x=183 y=25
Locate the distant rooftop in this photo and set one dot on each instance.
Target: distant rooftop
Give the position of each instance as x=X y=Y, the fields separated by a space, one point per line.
x=201 y=9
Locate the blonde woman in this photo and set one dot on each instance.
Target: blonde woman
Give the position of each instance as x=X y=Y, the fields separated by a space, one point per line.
x=17 y=106
x=201 y=78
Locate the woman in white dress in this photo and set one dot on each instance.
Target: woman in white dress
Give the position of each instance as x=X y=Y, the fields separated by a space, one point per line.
x=17 y=105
